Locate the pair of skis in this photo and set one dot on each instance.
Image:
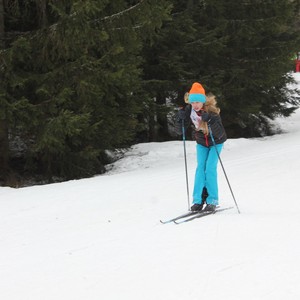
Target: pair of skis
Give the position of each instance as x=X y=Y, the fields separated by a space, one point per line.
x=189 y=216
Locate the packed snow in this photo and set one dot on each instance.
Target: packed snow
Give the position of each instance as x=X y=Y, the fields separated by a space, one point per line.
x=100 y=238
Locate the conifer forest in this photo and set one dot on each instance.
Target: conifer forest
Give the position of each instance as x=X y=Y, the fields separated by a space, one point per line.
x=80 y=79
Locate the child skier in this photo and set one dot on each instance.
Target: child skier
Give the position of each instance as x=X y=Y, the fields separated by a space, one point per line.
x=203 y=114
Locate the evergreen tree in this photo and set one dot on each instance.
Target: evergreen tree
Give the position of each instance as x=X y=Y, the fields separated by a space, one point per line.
x=70 y=80
x=166 y=70
x=240 y=51
x=4 y=148
x=245 y=51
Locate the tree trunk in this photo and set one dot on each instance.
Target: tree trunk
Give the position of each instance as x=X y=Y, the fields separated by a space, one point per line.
x=42 y=12
x=162 y=121
x=2 y=30
x=153 y=132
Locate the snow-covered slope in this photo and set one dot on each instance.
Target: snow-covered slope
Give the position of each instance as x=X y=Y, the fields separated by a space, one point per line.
x=101 y=238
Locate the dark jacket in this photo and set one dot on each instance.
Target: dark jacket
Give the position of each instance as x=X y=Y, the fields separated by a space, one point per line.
x=214 y=123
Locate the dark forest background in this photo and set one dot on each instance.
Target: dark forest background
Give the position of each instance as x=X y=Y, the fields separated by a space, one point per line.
x=81 y=78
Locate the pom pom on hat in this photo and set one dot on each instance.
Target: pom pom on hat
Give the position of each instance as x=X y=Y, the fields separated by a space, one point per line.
x=197 y=93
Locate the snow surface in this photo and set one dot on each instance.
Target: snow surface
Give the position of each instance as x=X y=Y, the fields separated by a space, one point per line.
x=100 y=238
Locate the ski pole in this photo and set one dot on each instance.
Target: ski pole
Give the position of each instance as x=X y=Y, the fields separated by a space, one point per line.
x=185 y=163
x=213 y=140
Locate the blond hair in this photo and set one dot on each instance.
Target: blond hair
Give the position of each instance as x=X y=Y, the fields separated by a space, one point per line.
x=209 y=106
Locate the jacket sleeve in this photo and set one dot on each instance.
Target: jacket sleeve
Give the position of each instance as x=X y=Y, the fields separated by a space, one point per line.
x=217 y=129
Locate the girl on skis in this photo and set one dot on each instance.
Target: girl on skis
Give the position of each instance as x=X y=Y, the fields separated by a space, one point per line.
x=204 y=116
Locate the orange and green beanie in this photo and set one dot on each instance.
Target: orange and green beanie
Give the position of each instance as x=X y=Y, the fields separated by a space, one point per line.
x=197 y=93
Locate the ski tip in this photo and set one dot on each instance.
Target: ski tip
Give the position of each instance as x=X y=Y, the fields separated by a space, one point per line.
x=164 y=222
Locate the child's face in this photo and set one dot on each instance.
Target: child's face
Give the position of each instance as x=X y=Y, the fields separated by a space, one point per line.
x=197 y=105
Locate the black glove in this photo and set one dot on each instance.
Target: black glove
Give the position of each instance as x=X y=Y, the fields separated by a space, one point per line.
x=181 y=115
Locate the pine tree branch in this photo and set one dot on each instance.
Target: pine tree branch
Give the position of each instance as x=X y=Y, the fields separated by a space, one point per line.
x=53 y=26
x=120 y=13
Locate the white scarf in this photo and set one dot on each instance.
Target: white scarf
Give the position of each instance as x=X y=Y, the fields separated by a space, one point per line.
x=195 y=119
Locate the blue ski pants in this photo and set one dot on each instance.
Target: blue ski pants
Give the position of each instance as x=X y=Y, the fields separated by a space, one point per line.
x=206 y=174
